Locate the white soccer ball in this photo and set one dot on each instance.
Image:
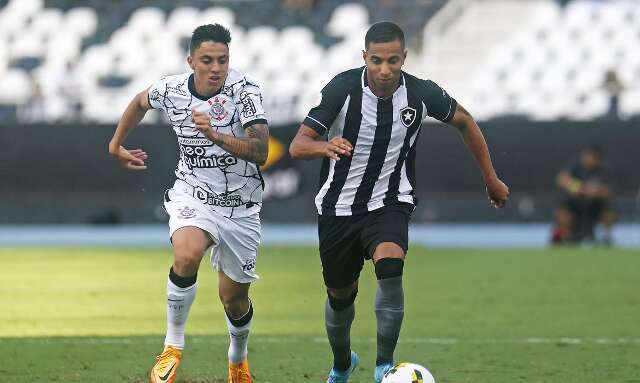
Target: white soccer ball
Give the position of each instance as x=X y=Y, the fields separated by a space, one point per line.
x=408 y=373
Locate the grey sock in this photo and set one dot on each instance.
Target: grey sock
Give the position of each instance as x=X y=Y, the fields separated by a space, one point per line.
x=338 y=325
x=389 y=308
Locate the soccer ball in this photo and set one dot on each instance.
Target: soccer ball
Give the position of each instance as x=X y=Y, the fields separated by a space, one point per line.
x=408 y=373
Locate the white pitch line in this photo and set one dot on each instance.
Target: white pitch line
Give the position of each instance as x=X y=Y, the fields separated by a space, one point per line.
x=221 y=339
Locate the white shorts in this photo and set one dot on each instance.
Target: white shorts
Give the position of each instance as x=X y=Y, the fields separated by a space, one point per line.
x=235 y=240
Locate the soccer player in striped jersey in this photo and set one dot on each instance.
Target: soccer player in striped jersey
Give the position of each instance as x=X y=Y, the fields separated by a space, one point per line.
x=366 y=127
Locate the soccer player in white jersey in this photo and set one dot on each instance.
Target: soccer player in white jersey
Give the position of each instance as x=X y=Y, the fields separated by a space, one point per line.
x=217 y=115
x=371 y=118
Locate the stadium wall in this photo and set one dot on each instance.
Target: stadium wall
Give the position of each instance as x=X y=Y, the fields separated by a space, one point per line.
x=63 y=174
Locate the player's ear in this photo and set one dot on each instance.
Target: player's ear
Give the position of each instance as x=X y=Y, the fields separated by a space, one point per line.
x=404 y=56
x=190 y=62
x=364 y=55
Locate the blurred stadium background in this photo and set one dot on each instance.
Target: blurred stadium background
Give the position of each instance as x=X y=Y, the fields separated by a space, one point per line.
x=532 y=72
x=82 y=301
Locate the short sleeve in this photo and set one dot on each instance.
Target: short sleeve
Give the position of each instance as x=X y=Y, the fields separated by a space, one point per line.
x=439 y=104
x=249 y=102
x=157 y=94
x=332 y=97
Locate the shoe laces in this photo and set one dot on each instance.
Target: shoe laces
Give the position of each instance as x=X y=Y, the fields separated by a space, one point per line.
x=167 y=357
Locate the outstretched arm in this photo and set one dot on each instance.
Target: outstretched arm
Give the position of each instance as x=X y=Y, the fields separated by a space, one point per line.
x=254 y=147
x=307 y=144
x=497 y=191
x=130 y=159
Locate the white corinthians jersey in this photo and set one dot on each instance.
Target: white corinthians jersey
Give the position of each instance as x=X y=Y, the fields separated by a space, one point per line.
x=228 y=184
x=383 y=132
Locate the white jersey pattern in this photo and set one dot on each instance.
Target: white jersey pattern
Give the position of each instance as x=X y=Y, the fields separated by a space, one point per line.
x=229 y=185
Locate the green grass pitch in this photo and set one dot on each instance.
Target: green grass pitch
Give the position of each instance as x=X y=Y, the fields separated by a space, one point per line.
x=555 y=315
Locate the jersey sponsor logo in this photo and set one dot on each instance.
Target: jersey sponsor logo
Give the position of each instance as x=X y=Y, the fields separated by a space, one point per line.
x=248 y=107
x=195 y=157
x=194 y=141
x=407 y=116
x=193 y=152
x=214 y=199
x=249 y=265
x=219 y=109
x=186 y=212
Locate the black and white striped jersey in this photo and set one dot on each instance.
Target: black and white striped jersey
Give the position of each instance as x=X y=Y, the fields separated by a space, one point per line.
x=230 y=185
x=383 y=132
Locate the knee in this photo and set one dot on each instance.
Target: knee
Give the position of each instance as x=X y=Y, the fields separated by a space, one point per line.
x=343 y=301
x=389 y=268
x=234 y=303
x=188 y=255
x=343 y=292
x=388 y=250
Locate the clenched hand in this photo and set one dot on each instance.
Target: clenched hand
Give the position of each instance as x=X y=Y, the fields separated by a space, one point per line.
x=338 y=146
x=497 y=192
x=203 y=124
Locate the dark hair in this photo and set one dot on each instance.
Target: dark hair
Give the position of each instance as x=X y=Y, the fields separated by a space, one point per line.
x=209 y=32
x=384 y=32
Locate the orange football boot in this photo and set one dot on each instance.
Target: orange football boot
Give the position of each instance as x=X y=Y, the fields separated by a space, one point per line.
x=164 y=371
x=239 y=372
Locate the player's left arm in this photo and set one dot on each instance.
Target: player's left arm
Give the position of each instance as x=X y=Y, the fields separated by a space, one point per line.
x=497 y=191
x=254 y=147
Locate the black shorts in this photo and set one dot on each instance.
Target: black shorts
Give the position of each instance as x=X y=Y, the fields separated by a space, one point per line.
x=346 y=241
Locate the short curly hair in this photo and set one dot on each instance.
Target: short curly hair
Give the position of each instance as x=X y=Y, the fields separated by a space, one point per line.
x=209 y=32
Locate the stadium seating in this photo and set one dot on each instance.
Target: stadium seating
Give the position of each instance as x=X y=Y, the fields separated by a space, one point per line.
x=554 y=66
x=550 y=65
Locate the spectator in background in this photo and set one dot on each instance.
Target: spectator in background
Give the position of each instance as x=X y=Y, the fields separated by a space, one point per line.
x=587 y=192
x=34 y=110
x=298 y=5
x=614 y=87
x=70 y=88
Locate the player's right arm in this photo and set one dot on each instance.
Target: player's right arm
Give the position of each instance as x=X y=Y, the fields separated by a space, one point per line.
x=132 y=159
x=309 y=142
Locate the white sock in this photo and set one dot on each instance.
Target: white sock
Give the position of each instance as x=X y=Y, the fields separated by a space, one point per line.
x=239 y=336
x=179 y=302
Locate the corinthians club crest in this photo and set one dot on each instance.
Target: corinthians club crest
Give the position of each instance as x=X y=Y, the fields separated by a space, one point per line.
x=407 y=116
x=220 y=114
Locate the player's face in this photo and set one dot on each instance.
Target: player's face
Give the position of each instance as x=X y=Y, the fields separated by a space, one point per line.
x=210 y=63
x=590 y=160
x=384 y=65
